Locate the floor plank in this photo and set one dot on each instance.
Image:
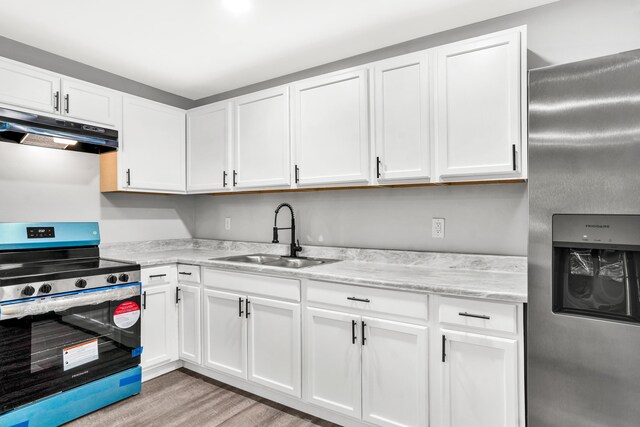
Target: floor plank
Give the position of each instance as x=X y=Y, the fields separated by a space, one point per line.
x=184 y=398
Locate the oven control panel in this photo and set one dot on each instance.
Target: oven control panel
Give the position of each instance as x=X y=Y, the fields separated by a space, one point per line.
x=41 y=232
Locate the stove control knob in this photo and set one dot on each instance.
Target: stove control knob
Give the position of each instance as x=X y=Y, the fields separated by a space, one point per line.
x=81 y=283
x=112 y=279
x=28 y=291
x=124 y=277
x=45 y=288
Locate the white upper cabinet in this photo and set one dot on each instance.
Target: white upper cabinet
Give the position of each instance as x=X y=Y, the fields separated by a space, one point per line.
x=331 y=129
x=261 y=140
x=85 y=101
x=209 y=148
x=152 y=146
x=28 y=87
x=480 y=91
x=402 y=118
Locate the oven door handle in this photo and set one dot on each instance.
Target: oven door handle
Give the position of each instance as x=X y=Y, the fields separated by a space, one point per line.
x=36 y=306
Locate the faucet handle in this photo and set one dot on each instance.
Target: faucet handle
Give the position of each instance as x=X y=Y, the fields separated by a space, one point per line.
x=298 y=247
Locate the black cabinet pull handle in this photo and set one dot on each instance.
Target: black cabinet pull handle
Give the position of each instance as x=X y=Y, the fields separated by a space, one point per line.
x=128 y=177
x=186 y=273
x=156 y=275
x=353 y=331
x=359 y=299
x=247 y=309
x=235 y=175
x=56 y=101
x=364 y=339
x=444 y=354
x=477 y=316
x=513 y=154
x=66 y=103
x=177 y=295
x=378 y=167
x=297 y=174
x=240 y=312
x=144 y=300
x=224 y=179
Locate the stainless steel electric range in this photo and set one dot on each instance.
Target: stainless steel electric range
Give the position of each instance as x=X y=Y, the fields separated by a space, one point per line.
x=69 y=324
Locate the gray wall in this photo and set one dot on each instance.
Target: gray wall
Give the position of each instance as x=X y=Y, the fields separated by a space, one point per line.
x=40 y=58
x=41 y=184
x=481 y=219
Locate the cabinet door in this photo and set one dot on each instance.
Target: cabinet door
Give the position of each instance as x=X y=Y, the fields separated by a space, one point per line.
x=262 y=148
x=208 y=148
x=394 y=373
x=332 y=357
x=331 y=129
x=89 y=102
x=153 y=146
x=189 y=323
x=225 y=332
x=159 y=325
x=274 y=344
x=402 y=118
x=479 y=380
x=478 y=111
x=28 y=87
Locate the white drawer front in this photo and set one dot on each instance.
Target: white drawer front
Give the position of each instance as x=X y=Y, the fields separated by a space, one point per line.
x=383 y=301
x=479 y=314
x=250 y=284
x=188 y=273
x=159 y=275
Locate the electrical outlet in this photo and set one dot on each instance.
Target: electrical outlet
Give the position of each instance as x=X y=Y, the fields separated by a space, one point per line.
x=227 y=223
x=437 y=228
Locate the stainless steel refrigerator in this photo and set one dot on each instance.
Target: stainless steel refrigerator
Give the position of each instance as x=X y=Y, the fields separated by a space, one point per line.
x=583 y=313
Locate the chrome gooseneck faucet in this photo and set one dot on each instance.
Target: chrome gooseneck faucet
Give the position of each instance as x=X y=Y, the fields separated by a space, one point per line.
x=294 y=247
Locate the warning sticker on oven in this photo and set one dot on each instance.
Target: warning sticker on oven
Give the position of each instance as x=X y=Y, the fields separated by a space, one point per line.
x=80 y=354
x=126 y=315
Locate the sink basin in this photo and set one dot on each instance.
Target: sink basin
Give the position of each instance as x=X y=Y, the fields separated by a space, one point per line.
x=277 y=260
x=252 y=259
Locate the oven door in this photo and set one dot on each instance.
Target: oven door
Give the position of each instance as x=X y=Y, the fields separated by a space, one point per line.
x=55 y=343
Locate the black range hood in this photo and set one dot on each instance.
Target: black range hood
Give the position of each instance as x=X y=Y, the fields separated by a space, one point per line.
x=33 y=129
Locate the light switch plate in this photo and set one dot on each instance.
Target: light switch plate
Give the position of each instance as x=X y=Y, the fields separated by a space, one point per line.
x=437 y=228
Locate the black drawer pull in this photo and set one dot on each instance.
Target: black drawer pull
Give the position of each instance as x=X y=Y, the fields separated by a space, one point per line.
x=156 y=275
x=358 y=299
x=364 y=339
x=477 y=316
x=144 y=300
x=240 y=312
x=177 y=295
x=246 y=307
x=186 y=273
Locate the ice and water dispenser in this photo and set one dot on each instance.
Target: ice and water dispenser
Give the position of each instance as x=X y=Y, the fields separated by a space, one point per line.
x=596 y=266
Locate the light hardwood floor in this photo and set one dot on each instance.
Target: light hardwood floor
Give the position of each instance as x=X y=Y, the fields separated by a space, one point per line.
x=183 y=398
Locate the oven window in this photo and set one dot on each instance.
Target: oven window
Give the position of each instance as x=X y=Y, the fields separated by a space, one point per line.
x=56 y=351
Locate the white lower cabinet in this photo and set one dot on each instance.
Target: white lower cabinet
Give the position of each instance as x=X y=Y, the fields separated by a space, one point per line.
x=189 y=314
x=332 y=361
x=480 y=380
x=225 y=333
x=367 y=368
x=255 y=338
x=274 y=344
x=394 y=373
x=159 y=332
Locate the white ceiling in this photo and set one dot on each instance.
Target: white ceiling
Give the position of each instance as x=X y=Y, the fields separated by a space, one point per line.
x=197 y=48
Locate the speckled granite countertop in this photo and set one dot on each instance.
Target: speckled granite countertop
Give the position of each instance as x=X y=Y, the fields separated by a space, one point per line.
x=480 y=276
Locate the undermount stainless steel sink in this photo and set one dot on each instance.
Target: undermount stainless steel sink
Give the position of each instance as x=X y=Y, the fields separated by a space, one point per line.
x=277 y=260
